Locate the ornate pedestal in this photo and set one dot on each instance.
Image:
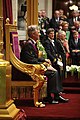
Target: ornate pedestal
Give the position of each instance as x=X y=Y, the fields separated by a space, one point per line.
x=8 y=110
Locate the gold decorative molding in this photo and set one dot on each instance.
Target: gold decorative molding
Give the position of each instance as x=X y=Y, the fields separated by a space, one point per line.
x=8 y=110
x=32 y=12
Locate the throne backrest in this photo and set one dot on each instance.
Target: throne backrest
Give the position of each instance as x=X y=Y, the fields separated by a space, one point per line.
x=15 y=43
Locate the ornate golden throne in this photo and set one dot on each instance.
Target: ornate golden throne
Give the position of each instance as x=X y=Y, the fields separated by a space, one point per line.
x=27 y=74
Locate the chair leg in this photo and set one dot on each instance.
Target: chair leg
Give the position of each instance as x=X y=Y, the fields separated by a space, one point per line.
x=36 y=95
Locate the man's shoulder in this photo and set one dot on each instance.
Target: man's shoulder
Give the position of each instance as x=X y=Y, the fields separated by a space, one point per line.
x=47 y=41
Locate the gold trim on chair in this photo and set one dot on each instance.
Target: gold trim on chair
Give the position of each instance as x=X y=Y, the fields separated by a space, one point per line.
x=34 y=70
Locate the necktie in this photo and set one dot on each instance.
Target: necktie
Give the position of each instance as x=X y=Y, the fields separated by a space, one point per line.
x=53 y=43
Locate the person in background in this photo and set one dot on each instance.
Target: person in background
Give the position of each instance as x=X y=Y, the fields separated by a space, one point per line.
x=65 y=27
x=43 y=23
x=40 y=21
x=77 y=27
x=45 y=19
x=29 y=54
x=54 y=21
x=63 y=17
x=74 y=17
x=61 y=49
x=74 y=46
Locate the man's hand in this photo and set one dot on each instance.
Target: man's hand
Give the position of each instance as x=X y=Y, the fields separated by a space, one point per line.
x=76 y=51
x=48 y=61
x=51 y=68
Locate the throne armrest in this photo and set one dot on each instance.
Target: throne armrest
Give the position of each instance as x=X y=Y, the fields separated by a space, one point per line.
x=36 y=71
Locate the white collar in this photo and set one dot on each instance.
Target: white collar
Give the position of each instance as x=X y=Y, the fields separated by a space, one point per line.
x=51 y=40
x=33 y=41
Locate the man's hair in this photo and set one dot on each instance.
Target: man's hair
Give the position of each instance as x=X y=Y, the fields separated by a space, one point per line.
x=75 y=32
x=50 y=30
x=32 y=29
x=61 y=32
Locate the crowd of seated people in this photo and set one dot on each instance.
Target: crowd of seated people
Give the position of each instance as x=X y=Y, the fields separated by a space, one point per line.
x=29 y=54
x=60 y=22
x=57 y=38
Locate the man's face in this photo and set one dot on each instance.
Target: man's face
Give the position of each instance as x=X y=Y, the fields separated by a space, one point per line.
x=56 y=14
x=44 y=14
x=75 y=13
x=36 y=35
x=61 y=12
x=77 y=24
x=75 y=35
x=51 y=35
x=63 y=36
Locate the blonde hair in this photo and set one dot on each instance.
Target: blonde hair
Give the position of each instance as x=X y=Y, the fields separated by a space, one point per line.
x=64 y=23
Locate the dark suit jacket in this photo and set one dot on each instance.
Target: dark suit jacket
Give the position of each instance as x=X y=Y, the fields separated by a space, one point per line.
x=73 y=46
x=46 y=22
x=51 y=50
x=71 y=23
x=54 y=24
x=61 y=51
x=29 y=53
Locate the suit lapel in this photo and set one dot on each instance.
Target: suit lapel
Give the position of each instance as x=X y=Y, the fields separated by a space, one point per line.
x=34 y=46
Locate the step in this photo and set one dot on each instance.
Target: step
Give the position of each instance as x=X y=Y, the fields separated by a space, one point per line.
x=71 y=84
x=72 y=90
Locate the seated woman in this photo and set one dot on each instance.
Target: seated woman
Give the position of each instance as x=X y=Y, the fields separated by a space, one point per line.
x=65 y=27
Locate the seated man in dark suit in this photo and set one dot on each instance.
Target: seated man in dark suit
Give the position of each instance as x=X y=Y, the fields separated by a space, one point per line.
x=29 y=54
x=51 y=49
x=61 y=49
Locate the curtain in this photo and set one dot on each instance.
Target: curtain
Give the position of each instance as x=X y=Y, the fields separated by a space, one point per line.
x=7 y=13
x=7 y=10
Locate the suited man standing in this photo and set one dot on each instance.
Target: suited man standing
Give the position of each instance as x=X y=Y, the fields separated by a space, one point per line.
x=74 y=46
x=29 y=54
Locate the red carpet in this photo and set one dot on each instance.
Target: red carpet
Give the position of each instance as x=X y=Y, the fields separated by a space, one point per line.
x=61 y=111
